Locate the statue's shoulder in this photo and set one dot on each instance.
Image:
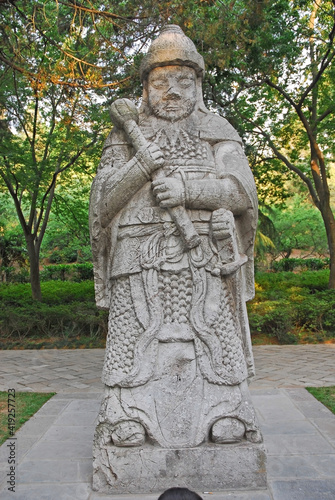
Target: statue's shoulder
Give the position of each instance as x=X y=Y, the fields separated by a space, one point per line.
x=116 y=137
x=116 y=151
x=215 y=128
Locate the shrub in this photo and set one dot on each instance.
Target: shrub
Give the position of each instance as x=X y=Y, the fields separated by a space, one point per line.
x=71 y=272
x=68 y=310
x=293 y=306
x=274 y=318
x=83 y=271
x=290 y=307
x=301 y=264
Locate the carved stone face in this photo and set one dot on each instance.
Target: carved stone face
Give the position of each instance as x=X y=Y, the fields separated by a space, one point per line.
x=172 y=92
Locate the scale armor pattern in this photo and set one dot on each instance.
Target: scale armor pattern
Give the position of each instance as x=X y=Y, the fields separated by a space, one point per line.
x=123 y=330
x=186 y=147
x=227 y=329
x=175 y=291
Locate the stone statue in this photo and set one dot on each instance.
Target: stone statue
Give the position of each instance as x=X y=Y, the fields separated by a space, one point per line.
x=173 y=216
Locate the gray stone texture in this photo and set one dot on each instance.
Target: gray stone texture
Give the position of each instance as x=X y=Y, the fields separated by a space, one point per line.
x=173 y=215
x=209 y=467
x=305 y=470
x=61 y=478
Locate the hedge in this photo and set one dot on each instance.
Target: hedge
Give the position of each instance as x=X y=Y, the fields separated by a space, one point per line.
x=290 y=307
x=63 y=272
x=301 y=264
x=293 y=307
x=68 y=310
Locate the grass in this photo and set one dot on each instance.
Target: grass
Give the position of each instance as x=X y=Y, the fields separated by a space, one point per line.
x=25 y=404
x=326 y=396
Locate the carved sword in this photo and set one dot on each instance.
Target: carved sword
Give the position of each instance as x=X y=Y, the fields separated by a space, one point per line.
x=128 y=121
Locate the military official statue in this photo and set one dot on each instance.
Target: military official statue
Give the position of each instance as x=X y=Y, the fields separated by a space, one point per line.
x=173 y=216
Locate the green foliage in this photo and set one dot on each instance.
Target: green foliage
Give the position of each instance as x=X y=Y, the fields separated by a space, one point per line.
x=67 y=238
x=300 y=264
x=293 y=307
x=274 y=318
x=51 y=125
x=64 y=272
x=270 y=72
x=299 y=226
x=54 y=292
x=12 y=245
x=68 y=311
x=73 y=272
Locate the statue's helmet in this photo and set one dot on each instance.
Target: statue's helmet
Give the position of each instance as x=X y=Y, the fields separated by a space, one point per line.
x=172 y=47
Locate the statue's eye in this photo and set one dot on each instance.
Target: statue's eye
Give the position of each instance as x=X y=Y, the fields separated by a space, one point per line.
x=185 y=82
x=160 y=83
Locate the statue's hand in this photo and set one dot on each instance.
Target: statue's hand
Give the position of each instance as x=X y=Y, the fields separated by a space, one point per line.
x=169 y=192
x=221 y=224
x=122 y=111
x=152 y=156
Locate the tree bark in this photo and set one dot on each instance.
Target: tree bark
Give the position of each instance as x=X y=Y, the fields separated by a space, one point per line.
x=33 y=254
x=329 y=222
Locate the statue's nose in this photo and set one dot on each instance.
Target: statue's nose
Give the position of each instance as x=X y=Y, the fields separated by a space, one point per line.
x=173 y=92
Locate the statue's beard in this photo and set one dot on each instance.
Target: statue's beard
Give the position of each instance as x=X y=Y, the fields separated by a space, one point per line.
x=172 y=110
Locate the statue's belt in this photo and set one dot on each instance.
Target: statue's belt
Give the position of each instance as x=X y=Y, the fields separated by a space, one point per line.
x=135 y=231
x=157 y=215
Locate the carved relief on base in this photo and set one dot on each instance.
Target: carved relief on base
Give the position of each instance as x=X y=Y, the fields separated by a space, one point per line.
x=177 y=408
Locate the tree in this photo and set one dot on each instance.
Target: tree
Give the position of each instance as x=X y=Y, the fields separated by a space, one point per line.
x=303 y=135
x=50 y=118
x=43 y=139
x=12 y=249
x=274 y=79
x=68 y=237
x=270 y=72
x=59 y=60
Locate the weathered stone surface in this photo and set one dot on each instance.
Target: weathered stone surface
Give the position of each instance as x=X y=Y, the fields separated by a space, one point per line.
x=173 y=216
x=205 y=468
x=228 y=430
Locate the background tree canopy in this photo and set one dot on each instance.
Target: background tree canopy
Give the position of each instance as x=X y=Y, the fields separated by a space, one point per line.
x=270 y=72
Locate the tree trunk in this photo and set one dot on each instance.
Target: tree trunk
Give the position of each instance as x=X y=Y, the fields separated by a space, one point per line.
x=34 y=263
x=329 y=222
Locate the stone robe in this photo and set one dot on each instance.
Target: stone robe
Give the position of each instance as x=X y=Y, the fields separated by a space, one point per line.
x=157 y=291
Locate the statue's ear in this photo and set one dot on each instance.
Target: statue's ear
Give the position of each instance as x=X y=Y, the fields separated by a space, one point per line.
x=200 y=101
x=144 y=104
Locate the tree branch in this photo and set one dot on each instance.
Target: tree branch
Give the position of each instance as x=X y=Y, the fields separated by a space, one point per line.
x=328 y=111
x=17 y=114
x=15 y=198
x=316 y=79
x=285 y=160
x=326 y=60
x=56 y=80
x=282 y=92
x=51 y=190
x=108 y=15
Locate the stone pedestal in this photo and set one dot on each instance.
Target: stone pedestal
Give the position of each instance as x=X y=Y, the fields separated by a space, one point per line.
x=150 y=469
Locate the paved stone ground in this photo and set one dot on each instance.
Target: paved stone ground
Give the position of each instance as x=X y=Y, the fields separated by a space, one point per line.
x=80 y=370
x=294 y=365
x=54 y=448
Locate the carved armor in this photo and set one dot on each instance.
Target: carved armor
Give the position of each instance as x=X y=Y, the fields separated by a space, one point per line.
x=178 y=332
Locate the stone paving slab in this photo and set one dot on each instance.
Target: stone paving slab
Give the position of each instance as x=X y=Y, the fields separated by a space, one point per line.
x=68 y=371
x=54 y=447
x=57 y=463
